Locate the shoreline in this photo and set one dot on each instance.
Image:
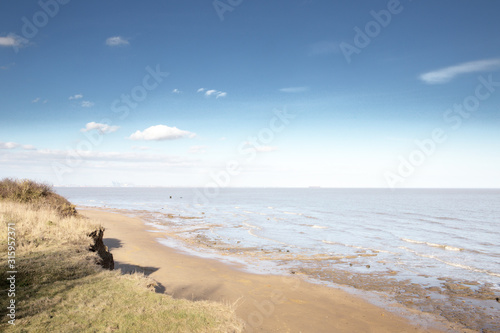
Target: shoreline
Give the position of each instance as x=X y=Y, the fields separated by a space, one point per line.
x=265 y=302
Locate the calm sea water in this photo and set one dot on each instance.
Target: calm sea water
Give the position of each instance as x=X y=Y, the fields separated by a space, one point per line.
x=419 y=232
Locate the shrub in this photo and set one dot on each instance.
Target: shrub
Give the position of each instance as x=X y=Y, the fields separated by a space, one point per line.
x=37 y=195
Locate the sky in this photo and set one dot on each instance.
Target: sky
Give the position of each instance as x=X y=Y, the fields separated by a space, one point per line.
x=240 y=93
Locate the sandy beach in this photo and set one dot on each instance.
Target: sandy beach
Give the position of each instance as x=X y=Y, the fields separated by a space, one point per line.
x=266 y=303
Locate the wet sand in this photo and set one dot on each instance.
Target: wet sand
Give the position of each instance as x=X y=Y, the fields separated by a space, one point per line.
x=266 y=303
x=468 y=303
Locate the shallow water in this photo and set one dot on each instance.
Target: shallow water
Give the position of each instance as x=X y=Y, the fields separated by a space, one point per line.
x=435 y=233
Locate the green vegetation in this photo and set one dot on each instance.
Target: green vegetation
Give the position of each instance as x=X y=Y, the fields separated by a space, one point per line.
x=35 y=194
x=59 y=288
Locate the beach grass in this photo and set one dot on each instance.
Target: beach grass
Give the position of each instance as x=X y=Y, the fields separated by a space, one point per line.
x=59 y=287
x=36 y=195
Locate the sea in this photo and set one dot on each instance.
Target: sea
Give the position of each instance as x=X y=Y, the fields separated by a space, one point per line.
x=422 y=235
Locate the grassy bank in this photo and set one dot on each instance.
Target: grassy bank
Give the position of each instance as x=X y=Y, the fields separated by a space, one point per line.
x=59 y=288
x=36 y=195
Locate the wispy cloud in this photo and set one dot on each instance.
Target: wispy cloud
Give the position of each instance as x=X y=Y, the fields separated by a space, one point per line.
x=8 y=145
x=447 y=74
x=176 y=91
x=140 y=148
x=49 y=156
x=197 y=149
x=103 y=128
x=323 y=48
x=77 y=96
x=14 y=145
x=216 y=93
x=38 y=99
x=265 y=149
x=261 y=148
x=8 y=66
x=200 y=90
x=294 y=90
x=117 y=41
x=7 y=41
x=12 y=40
x=161 y=133
x=87 y=104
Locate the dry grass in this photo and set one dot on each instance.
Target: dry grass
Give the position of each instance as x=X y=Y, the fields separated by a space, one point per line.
x=44 y=226
x=60 y=289
x=37 y=195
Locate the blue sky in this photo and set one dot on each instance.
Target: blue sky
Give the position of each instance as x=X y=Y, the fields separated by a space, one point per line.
x=251 y=93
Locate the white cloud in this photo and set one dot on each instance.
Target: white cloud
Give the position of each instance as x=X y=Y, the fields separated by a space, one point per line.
x=447 y=74
x=261 y=149
x=7 y=41
x=77 y=96
x=176 y=91
x=200 y=90
x=140 y=148
x=12 y=40
x=28 y=147
x=197 y=149
x=116 y=41
x=105 y=159
x=215 y=93
x=265 y=149
x=38 y=99
x=87 y=104
x=14 y=145
x=294 y=90
x=160 y=133
x=103 y=128
x=8 y=145
x=323 y=48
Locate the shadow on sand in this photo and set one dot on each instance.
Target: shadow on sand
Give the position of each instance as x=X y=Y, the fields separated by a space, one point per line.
x=112 y=243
